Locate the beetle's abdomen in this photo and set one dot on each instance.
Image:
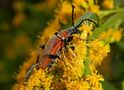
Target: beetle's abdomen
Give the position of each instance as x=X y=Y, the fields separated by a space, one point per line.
x=45 y=62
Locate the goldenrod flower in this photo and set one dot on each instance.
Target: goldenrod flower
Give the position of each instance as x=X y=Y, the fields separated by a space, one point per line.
x=79 y=2
x=93 y=6
x=39 y=80
x=98 y=51
x=111 y=35
x=95 y=9
x=65 y=12
x=53 y=27
x=109 y=4
x=86 y=28
x=116 y=35
x=94 y=80
x=42 y=5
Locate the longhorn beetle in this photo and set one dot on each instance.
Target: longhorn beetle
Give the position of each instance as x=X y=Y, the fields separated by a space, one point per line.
x=58 y=41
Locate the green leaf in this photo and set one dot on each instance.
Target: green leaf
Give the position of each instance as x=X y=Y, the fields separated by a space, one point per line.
x=107 y=86
x=120 y=45
x=112 y=22
x=117 y=3
x=105 y=13
x=123 y=85
x=87 y=16
x=86 y=67
x=87 y=63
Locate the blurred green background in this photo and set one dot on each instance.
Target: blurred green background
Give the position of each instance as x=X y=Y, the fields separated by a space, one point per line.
x=21 y=21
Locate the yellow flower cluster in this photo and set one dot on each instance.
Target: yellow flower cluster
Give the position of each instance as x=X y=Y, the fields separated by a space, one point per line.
x=98 y=50
x=111 y=35
x=94 y=79
x=90 y=5
x=38 y=80
x=42 y=5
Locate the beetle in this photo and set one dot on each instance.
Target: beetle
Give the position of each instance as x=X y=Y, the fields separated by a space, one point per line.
x=57 y=42
x=60 y=39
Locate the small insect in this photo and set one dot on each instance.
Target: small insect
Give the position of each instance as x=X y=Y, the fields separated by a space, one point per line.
x=60 y=40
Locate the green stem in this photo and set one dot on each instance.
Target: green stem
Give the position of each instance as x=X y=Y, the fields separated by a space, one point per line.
x=87 y=63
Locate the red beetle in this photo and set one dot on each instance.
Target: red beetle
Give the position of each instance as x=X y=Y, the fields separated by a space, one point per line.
x=58 y=41
x=54 y=46
x=52 y=49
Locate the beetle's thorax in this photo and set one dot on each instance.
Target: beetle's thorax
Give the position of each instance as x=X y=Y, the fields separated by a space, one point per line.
x=72 y=30
x=64 y=34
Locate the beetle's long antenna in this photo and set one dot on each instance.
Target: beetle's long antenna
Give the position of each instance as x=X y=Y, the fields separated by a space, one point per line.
x=73 y=14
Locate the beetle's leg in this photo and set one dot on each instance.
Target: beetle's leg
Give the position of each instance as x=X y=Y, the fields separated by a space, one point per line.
x=72 y=47
x=88 y=41
x=79 y=38
x=71 y=51
x=67 y=43
x=30 y=70
x=39 y=49
x=70 y=38
x=53 y=56
x=63 y=54
x=68 y=47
